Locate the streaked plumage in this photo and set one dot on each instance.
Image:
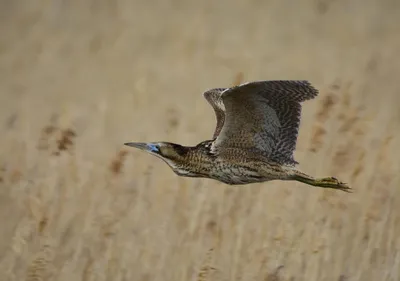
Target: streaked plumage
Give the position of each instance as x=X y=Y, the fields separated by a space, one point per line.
x=254 y=139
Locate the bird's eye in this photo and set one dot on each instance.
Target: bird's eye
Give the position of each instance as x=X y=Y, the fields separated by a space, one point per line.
x=153 y=148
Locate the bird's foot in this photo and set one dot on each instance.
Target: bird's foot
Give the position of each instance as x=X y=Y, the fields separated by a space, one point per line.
x=332 y=182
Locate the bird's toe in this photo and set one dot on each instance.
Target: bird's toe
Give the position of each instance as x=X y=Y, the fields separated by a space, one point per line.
x=344 y=186
x=335 y=183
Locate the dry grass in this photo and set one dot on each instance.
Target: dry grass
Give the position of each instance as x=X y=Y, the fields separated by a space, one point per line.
x=80 y=78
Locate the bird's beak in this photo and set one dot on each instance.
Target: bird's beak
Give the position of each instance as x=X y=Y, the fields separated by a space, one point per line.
x=149 y=147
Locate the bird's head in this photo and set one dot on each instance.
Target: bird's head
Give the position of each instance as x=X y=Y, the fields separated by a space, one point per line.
x=173 y=154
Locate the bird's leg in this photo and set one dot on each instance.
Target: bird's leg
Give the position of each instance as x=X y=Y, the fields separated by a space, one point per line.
x=329 y=182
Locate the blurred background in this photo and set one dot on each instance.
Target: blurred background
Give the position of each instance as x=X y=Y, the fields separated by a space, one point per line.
x=80 y=78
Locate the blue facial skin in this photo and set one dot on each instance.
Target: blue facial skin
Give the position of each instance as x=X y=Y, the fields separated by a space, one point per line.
x=153 y=148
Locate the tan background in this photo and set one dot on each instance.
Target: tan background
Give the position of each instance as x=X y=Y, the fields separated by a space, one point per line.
x=84 y=207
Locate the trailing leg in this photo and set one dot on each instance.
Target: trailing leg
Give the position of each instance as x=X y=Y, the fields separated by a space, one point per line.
x=329 y=182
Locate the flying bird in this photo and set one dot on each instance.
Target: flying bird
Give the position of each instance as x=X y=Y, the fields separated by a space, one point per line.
x=254 y=139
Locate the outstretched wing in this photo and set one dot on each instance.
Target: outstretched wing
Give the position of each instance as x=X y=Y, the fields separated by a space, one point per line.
x=264 y=117
x=213 y=97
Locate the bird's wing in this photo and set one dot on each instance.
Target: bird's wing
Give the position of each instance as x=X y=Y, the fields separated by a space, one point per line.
x=213 y=97
x=264 y=117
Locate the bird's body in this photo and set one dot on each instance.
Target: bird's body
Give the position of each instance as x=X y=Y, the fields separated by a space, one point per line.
x=232 y=166
x=254 y=140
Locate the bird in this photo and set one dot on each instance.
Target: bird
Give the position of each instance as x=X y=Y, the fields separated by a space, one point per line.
x=257 y=125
